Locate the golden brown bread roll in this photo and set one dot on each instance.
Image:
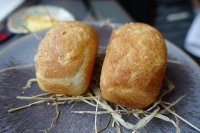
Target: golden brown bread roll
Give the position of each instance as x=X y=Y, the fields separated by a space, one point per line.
x=134 y=66
x=65 y=58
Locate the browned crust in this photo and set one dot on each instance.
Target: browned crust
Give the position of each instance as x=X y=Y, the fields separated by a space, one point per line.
x=67 y=50
x=134 y=65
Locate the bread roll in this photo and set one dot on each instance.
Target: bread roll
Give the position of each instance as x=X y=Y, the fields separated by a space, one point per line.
x=65 y=58
x=134 y=66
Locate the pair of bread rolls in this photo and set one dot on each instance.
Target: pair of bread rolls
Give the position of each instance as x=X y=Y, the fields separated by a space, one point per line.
x=133 y=68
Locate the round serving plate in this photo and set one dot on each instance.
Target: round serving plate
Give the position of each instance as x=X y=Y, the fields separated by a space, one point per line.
x=185 y=76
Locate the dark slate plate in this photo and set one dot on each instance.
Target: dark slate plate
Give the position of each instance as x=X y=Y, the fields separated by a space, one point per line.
x=185 y=77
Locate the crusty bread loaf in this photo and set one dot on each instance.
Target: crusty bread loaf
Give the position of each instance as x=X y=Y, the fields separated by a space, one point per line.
x=65 y=58
x=134 y=66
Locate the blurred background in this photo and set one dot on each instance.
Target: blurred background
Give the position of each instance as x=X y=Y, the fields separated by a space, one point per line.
x=176 y=19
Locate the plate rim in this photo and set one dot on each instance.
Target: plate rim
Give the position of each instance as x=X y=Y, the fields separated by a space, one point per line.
x=171 y=44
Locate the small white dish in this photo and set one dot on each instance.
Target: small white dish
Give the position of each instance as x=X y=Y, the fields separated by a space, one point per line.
x=18 y=21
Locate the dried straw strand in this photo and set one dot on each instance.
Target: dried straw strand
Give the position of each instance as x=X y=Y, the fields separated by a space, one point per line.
x=54 y=98
x=53 y=123
x=25 y=106
x=181 y=118
x=29 y=83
